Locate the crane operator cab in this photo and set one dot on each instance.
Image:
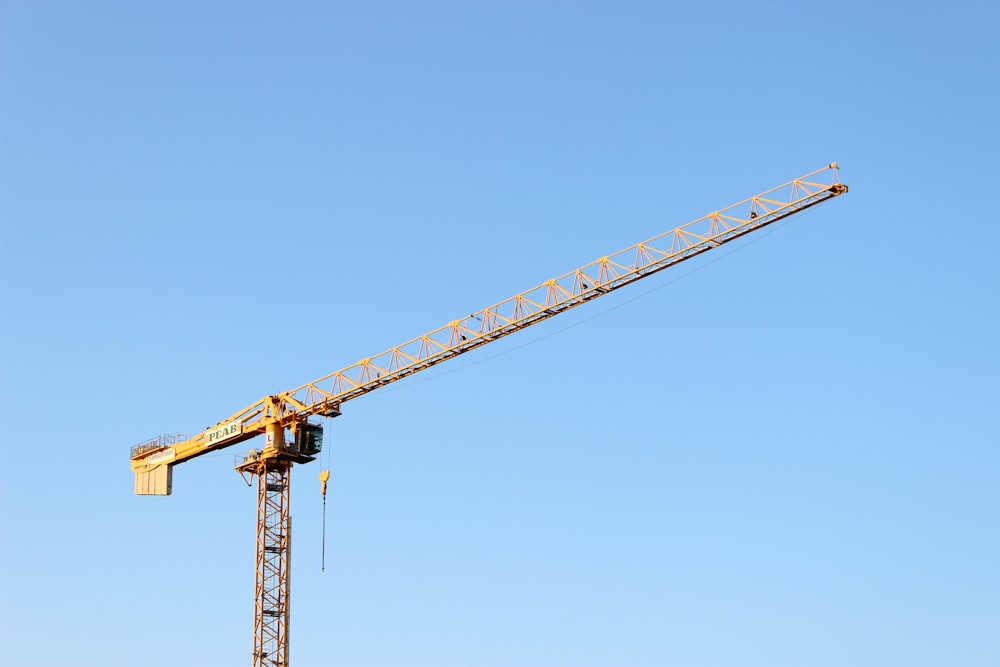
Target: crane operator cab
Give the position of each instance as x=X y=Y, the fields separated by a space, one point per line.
x=309 y=439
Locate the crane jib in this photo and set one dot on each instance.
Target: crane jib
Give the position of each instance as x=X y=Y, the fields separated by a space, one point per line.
x=324 y=396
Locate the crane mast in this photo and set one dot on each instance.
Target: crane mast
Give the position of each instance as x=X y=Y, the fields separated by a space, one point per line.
x=288 y=412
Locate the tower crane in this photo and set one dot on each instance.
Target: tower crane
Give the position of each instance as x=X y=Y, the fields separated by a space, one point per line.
x=290 y=438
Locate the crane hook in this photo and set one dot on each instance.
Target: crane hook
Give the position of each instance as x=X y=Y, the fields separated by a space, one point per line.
x=324 y=477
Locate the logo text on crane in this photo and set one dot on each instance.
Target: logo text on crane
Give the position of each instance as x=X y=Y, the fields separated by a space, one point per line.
x=224 y=432
x=160 y=457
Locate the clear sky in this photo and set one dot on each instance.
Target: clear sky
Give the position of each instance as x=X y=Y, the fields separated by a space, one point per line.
x=787 y=458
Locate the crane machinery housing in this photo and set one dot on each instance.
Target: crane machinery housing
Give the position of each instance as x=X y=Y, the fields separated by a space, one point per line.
x=285 y=414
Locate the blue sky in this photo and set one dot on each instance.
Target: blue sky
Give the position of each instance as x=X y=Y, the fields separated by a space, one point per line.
x=785 y=458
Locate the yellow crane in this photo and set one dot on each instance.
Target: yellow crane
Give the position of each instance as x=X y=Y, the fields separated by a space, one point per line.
x=279 y=415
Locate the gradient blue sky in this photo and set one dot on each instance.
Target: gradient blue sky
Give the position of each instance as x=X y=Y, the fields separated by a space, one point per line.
x=787 y=458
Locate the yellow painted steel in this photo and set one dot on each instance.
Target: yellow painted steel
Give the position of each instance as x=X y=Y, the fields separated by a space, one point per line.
x=153 y=460
x=325 y=395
